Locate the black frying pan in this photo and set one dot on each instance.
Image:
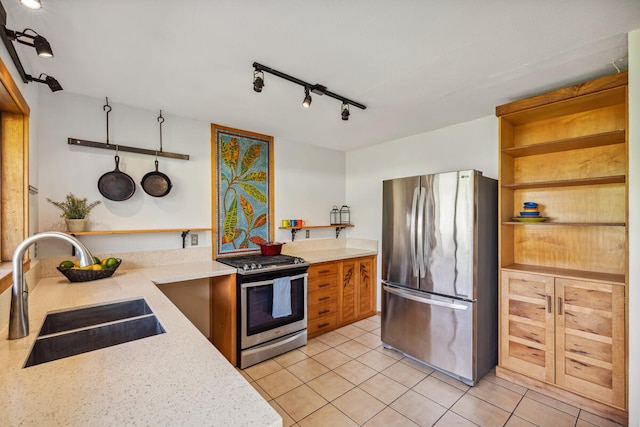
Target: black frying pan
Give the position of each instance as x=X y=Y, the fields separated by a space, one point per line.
x=116 y=185
x=155 y=183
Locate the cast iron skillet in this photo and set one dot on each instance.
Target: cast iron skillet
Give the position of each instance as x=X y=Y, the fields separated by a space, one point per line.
x=116 y=185
x=155 y=183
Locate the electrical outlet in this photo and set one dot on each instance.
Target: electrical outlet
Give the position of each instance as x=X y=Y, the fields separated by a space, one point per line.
x=306 y=234
x=194 y=240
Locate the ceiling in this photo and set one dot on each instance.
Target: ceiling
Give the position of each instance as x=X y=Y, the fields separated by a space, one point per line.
x=417 y=65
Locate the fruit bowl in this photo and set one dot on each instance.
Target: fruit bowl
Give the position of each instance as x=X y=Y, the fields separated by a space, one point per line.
x=88 y=275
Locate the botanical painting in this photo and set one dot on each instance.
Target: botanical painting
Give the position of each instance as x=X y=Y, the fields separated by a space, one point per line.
x=243 y=185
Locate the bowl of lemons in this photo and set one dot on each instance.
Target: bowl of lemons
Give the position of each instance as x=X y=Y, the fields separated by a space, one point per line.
x=100 y=269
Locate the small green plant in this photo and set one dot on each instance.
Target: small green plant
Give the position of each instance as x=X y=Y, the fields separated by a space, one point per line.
x=74 y=207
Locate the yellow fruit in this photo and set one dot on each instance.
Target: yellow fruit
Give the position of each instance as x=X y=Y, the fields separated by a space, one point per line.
x=76 y=263
x=111 y=262
x=66 y=264
x=96 y=267
x=104 y=261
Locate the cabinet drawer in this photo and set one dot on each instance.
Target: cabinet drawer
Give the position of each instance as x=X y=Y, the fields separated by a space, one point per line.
x=322 y=296
x=323 y=310
x=321 y=325
x=322 y=283
x=323 y=270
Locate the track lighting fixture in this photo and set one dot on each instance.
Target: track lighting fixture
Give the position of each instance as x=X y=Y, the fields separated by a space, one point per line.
x=48 y=80
x=306 y=103
x=258 y=84
x=31 y=4
x=258 y=80
x=345 y=111
x=42 y=46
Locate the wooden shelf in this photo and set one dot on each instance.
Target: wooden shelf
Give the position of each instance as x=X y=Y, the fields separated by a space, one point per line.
x=338 y=227
x=618 y=279
x=571 y=224
x=166 y=230
x=615 y=179
x=588 y=141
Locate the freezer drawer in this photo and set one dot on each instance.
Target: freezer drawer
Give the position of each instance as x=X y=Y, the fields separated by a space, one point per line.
x=435 y=330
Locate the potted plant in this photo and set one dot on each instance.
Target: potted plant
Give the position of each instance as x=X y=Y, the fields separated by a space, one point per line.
x=75 y=211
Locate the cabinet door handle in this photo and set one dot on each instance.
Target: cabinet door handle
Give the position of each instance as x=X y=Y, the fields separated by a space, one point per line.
x=323 y=312
x=322 y=285
x=323 y=271
x=559 y=305
x=322 y=325
x=549 y=302
x=323 y=298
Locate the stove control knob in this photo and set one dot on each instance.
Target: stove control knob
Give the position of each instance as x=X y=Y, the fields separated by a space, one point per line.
x=253 y=266
x=259 y=266
x=245 y=267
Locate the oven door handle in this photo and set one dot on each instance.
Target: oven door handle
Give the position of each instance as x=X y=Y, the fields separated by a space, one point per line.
x=270 y=282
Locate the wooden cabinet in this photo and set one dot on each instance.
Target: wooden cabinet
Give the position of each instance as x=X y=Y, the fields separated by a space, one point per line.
x=339 y=293
x=564 y=280
x=357 y=292
x=565 y=332
x=322 y=298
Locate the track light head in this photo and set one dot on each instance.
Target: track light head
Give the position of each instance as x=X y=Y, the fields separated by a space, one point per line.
x=31 y=4
x=53 y=84
x=307 y=98
x=345 y=111
x=42 y=46
x=258 y=80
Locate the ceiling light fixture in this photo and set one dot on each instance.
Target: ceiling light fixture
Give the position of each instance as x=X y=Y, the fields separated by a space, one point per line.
x=42 y=46
x=258 y=80
x=345 y=111
x=258 y=84
x=306 y=103
x=32 y=4
x=48 y=80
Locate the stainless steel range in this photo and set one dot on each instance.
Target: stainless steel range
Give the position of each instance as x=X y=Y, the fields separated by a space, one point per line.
x=272 y=305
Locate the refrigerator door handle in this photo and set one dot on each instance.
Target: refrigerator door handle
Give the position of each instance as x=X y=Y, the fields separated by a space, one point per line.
x=414 y=206
x=412 y=296
x=421 y=255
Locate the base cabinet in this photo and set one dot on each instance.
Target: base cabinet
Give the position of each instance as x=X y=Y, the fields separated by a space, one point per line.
x=565 y=332
x=340 y=293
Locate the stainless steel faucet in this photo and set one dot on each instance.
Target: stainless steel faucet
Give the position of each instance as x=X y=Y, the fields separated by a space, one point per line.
x=19 y=316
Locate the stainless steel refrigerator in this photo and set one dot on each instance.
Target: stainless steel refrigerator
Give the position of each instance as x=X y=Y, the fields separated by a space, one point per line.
x=440 y=271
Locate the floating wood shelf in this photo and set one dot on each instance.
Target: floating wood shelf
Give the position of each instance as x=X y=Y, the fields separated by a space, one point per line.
x=338 y=227
x=165 y=230
x=104 y=146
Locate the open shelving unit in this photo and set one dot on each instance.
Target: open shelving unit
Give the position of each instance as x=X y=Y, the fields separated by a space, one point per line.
x=563 y=282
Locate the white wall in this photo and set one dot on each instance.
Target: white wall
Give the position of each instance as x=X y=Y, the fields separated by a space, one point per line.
x=308 y=180
x=470 y=145
x=634 y=228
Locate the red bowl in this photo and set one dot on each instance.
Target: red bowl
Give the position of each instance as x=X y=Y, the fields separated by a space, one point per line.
x=271 y=248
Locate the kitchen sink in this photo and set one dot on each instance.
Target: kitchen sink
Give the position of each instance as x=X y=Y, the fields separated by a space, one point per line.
x=85 y=329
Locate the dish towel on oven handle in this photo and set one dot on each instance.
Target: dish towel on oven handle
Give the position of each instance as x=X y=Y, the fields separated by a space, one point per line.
x=281 y=297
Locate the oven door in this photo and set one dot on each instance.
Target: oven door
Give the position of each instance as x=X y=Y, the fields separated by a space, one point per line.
x=256 y=302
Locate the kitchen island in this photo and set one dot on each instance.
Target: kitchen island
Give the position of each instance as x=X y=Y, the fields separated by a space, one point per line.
x=174 y=378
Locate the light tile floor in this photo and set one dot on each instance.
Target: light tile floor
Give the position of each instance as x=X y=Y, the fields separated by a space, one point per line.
x=346 y=378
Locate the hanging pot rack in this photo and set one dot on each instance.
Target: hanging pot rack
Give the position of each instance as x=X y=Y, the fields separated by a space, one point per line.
x=109 y=146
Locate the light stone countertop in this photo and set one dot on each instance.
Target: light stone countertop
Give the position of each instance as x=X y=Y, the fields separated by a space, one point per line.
x=176 y=378
x=324 y=255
